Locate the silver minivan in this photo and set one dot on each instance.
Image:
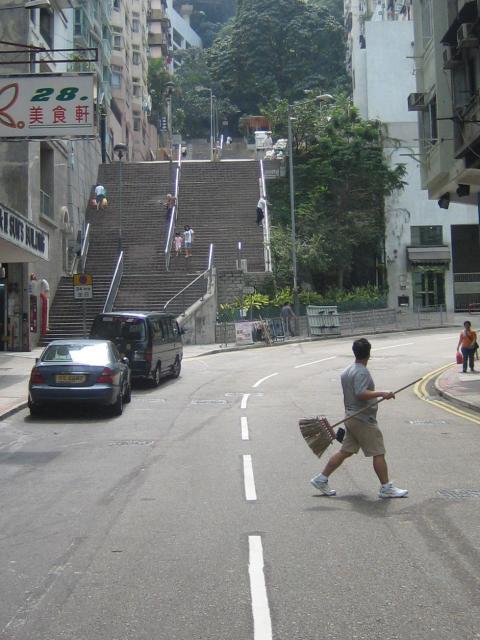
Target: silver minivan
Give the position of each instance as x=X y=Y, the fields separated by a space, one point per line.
x=151 y=341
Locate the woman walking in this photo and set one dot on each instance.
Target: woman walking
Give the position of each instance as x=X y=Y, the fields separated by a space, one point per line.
x=467 y=343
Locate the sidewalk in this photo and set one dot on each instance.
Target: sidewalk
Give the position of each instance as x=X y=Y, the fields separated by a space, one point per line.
x=455 y=386
x=460 y=388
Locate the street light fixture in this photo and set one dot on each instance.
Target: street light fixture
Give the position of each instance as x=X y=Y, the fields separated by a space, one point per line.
x=121 y=150
x=324 y=97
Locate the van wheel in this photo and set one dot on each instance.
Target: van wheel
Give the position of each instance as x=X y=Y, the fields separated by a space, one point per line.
x=177 y=367
x=117 y=408
x=156 y=375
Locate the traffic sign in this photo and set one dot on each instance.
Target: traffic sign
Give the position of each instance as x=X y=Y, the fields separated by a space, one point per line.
x=82 y=286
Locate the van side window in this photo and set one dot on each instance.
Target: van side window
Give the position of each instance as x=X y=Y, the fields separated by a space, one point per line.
x=167 y=328
x=176 y=330
x=157 y=329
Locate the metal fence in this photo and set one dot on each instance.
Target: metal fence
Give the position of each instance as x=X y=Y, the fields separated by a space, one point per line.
x=361 y=322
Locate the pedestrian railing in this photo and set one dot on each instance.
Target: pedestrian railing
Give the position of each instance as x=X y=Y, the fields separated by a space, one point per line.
x=173 y=216
x=208 y=274
x=356 y=323
x=114 y=285
x=84 y=249
x=266 y=223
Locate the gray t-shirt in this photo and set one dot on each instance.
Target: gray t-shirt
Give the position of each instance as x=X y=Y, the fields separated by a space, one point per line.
x=355 y=379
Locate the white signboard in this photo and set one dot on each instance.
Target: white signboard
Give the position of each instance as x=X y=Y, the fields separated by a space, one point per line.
x=22 y=233
x=244 y=332
x=83 y=292
x=47 y=105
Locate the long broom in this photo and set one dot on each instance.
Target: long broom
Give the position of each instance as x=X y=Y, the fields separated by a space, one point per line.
x=319 y=434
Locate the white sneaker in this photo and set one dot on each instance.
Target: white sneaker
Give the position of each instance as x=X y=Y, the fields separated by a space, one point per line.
x=389 y=491
x=322 y=485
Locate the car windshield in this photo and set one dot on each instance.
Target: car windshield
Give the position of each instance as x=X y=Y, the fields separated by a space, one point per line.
x=94 y=354
x=110 y=328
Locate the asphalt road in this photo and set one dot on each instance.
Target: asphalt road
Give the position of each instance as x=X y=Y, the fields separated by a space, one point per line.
x=192 y=516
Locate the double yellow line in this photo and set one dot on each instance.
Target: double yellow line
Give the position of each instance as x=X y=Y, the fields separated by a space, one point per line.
x=420 y=390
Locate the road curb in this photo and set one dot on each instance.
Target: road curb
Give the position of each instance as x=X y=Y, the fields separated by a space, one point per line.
x=15 y=409
x=454 y=399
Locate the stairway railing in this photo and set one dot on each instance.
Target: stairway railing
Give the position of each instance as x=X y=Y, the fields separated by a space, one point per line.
x=114 y=285
x=174 y=214
x=208 y=273
x=266 y=223
x=84 y=249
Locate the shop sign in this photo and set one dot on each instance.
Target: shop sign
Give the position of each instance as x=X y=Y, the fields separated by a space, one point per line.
x=22 y=233
x=47 y=105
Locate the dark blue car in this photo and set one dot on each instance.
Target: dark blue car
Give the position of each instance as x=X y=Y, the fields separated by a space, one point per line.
x=83 y=371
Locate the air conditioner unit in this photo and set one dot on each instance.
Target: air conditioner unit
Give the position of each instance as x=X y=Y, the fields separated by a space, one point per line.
x=417 y=102
x=466 y=36
x=451 y=58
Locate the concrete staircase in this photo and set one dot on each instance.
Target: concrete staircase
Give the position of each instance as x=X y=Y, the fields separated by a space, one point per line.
x=237 y=150
x=217 y=200
x=66 y=313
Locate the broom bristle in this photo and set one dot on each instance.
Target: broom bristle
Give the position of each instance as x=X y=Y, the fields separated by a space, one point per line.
x=318 y=434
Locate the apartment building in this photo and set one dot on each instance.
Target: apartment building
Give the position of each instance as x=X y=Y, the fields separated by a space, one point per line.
x=44 y=184
x=183 y=36
x=160 y=37
x=447 y=103
x=422 y=246
x=131 y=104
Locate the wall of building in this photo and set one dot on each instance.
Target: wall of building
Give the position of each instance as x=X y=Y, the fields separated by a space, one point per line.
x=384 y=68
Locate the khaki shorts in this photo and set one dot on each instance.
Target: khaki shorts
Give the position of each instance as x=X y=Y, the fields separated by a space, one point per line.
x=365 y=436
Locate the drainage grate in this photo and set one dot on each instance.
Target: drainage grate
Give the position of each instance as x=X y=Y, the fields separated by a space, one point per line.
x=459 y=494
x=122 y=443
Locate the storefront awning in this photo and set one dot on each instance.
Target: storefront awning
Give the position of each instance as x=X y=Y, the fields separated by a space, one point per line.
x=20 y=239
x=429 y=255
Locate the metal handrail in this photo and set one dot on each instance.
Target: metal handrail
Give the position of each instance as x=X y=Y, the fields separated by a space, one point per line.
x=267 y=253
x=208 y=272
x=84 y=249
x=174 y=214
x=114 y=285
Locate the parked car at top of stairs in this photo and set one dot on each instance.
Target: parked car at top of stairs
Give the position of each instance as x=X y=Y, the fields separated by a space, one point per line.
x=151 y=341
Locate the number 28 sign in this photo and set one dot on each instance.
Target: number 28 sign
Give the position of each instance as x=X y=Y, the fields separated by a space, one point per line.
x=47 y=105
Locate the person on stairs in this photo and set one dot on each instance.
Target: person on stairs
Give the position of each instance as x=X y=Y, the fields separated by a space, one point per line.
x=188 y=234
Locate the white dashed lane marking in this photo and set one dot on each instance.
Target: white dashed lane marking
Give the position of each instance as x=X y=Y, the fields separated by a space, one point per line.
x=307 y=364
x=248 y=479
x=262 y=623
x=259 y=382
x=244 y=425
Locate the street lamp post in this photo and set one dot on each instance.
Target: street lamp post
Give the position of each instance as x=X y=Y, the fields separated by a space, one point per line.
x=326 y=97
x=211 y=115
x=120 y=149
x=292 y=210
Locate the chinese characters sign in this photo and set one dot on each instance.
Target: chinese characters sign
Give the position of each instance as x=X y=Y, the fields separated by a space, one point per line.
x=47 y=105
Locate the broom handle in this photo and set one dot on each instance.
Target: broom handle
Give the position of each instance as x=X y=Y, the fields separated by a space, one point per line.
x=374 y=404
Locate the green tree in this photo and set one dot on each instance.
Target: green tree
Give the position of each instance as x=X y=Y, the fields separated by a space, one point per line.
x=191 y=104
x=341 y=181
x=278 y=48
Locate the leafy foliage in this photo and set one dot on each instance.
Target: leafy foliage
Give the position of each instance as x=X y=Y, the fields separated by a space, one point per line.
x=278 y=48
x=341 y=180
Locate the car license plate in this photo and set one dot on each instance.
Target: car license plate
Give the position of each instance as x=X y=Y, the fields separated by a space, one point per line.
x=73 y=378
